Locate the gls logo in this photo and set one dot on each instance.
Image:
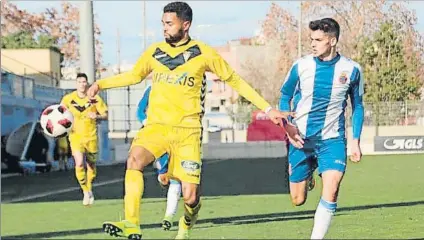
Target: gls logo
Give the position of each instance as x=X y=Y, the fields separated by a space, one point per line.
x=409 y=144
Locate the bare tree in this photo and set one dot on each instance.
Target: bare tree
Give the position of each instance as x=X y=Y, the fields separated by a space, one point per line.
x=265 y=66
x=63 y=26
x=270 y=55
x=360 y=19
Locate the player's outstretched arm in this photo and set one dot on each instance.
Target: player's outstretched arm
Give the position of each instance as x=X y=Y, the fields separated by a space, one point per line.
x=244 y=89
x=220 y=67
x=141 y=69
x=355 y=94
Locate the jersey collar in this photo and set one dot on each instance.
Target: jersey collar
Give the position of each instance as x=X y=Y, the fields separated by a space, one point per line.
x=331 y=62
x=183 y=44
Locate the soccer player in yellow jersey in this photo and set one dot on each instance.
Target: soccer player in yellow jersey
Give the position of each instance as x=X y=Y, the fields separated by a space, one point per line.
x=176 y=107
x=62 y=150
x=83 y=136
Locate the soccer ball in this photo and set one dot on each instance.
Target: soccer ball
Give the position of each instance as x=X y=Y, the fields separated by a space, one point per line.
x=56 y=121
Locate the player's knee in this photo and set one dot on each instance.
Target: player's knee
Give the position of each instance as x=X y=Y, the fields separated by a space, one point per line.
x=190 y=200
x=190 y=196
x=139 y=158
x=78 y=158
x=136 y=162
x=298 y=200
x=298 y=192
x=330 y=193
x=79 y=165
x=91 y=158
x=331 y=182
x=133 y=162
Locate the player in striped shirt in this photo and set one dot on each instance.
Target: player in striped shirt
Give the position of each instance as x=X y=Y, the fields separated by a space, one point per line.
x=318 y=86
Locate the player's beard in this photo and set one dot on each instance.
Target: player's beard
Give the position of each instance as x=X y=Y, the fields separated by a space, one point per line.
x=175 y=38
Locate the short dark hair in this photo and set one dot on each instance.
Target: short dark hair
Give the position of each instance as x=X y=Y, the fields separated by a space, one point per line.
x=327 y=25
x=82 y=75
x=182 y=9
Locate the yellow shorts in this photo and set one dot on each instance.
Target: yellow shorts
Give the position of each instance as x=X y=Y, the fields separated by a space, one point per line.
x=82 y=144
x=62 y=150
x=182 y=144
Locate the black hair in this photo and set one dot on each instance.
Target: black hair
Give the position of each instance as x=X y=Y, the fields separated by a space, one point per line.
x=327 y=25
x=82 y=75
x=182 y=9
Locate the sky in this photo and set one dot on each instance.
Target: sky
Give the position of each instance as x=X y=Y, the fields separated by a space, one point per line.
x=214 y=22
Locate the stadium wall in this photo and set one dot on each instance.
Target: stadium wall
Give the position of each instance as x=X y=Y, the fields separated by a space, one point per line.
x=367 y=139
x=239 y=148
x=368 y=142
x=211 y=151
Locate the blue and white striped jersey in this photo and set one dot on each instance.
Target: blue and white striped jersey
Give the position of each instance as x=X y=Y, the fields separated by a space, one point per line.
x=143 y=104
x=319 y=90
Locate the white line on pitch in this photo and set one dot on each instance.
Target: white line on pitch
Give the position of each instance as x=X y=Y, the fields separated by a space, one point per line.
x=71 y=189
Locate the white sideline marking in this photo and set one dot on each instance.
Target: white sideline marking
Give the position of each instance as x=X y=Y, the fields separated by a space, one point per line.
x=71 y=189
x=8 y=175
x=49 y=193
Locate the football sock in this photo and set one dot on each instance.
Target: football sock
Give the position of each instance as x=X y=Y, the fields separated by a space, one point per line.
x=174 y=194
x=323 y=215
x=134 y=187
x=91 y=175
x=80 y=175
x=190 y=214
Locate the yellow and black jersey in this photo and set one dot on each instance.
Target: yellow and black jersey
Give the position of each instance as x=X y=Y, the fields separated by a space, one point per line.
x=84 y=126
x=178 y=89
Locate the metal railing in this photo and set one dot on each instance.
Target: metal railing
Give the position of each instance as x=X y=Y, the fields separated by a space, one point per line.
x=391 y=113
x=123 y=106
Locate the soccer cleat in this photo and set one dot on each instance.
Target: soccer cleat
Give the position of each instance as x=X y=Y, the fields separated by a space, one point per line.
x=86 y=199
x=184 y=229
x=311 y=183
x=91 y=198
x=183 y=234
x=167 y=223
x=122 y=229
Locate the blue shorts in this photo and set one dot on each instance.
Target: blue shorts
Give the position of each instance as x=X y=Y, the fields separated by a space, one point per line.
x=161 y=164
x=329 y=154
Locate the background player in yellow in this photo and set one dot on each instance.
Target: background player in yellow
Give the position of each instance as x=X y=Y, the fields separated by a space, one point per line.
x=176 y=107
x=83 y=136
x=62 y=152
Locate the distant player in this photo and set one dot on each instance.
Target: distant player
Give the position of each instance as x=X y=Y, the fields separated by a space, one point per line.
x=161 y=164
x=83 y=136
x=319 y=85
x=62 y=152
